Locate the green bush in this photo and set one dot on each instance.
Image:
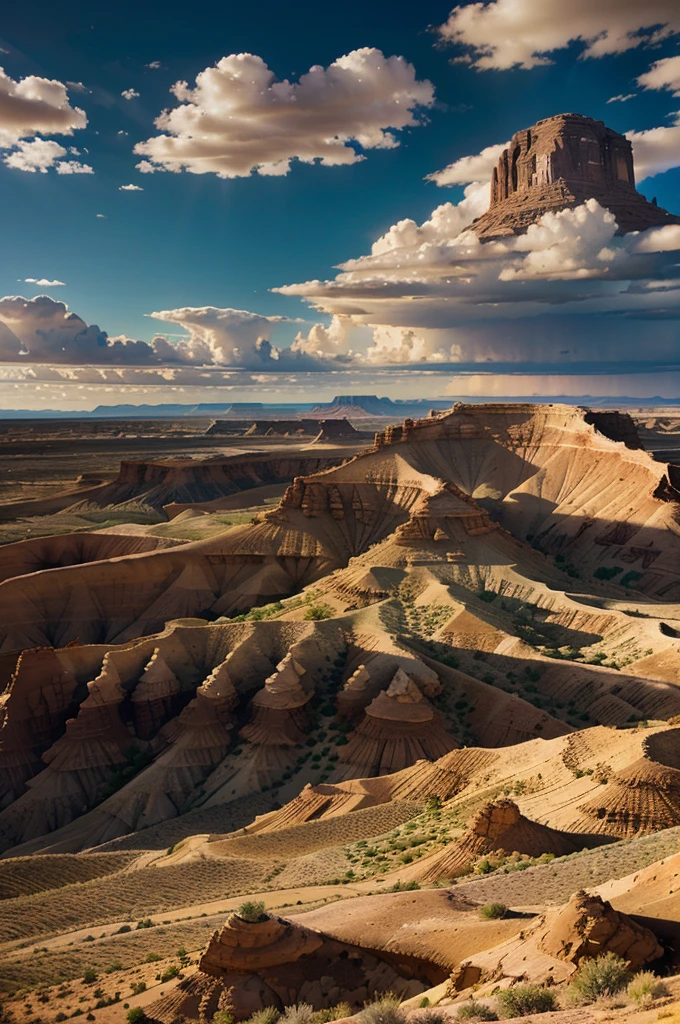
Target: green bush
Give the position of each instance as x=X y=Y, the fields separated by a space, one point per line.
x=90 y=976
x=521 y=1000
x=267 y=1015
x=387 y=1010
x=644 y=988
x=600 y=976
x=171 y=972
x=472 y=1010
x=136 y=1016
x=317 y=611
x=336 y=1012
x=138 y=987
x=299 y=1013
x=493 y=911
x=400 y=886
x=223 y=1017
x=253 y=911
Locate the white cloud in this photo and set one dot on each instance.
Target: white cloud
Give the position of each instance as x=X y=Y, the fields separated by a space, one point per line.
x=434 y=293
x=238 y=119
x=232 y=337
x=130 y=188
x=663 y=74
x=470 y=168
x=622 y=98
x=509 y=33
x=44 y=282
x=121 y=132
x=73 y=167
x=656 y=150
x=77 y=87
x=38 y=155
x=35 y=106
x=154 y=65
x=129 y=94
x=101 y=216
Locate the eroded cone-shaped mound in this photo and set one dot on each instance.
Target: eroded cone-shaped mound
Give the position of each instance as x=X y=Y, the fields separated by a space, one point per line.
x=642 y=798
x=588 y=926
x=249 y=946
x=499 y=828
x=278 y=715
x=32 y=715
x=154 y=700
x=399 y=728
x=277 y=962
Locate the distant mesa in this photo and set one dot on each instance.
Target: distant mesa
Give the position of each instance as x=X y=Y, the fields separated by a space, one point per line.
x=559 y=163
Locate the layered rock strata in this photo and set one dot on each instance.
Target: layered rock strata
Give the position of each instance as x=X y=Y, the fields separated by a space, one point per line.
x=561 y=162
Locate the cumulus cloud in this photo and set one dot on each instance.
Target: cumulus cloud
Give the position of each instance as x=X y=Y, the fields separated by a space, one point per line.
x=470 y=168
x=433 y=293
x=129 y=94
x=43 y=282
x=522 y=33
x=130 y=188
x=38 y=155
x=35 y=106
x=73 y=167
x=239 y=119
x=663 y=74
x=656 y=150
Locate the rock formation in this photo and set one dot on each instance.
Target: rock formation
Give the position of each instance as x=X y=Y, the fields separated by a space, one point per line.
x=498 y=828
x=561 y=162
x=279 y=962
x=400 y=727
x=642 y=798
x=589 y=926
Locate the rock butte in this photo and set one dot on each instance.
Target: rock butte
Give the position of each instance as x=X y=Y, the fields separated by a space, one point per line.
x=559 y=163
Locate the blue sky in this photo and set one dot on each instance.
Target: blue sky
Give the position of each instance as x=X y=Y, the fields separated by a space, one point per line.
x=195 y=241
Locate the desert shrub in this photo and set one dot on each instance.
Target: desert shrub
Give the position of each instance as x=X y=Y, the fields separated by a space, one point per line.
x=151 y=958
x=604 y=573
x=171 y=972
x=493 y=911
x=146 y=922
x=600 y=976
x=267 y=1015
x=644 y=988
x=253 y=911
x=136 y=1016
x=298 y=1013
x=521 y=1000
x=138 y=987
x=405 y=886
x=317 y=611
x=123 y=929
x=223 y=1017
x=89 y=976
x=429 y=1016
x=336 y=1012
x=472 y=1010
x=386 y=1010
x=484 y=866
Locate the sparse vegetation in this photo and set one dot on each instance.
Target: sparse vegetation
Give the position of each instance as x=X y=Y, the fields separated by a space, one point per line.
x=644 y=988
x=252 y=911
x=522 y=1000
x=474 y=1011
x=603 y=975
x=493 y=911
x=387 y=1010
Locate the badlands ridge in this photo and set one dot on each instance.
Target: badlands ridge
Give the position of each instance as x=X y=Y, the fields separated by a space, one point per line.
x=393 y=688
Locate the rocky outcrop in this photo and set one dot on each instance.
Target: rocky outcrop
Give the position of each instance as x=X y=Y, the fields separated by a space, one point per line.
x=400 y=727
x=277 y=711
x=501 y=829
x=561 y=162
x=279 y=962
x=589 y=926
x=642 y=798
x=156 y=698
